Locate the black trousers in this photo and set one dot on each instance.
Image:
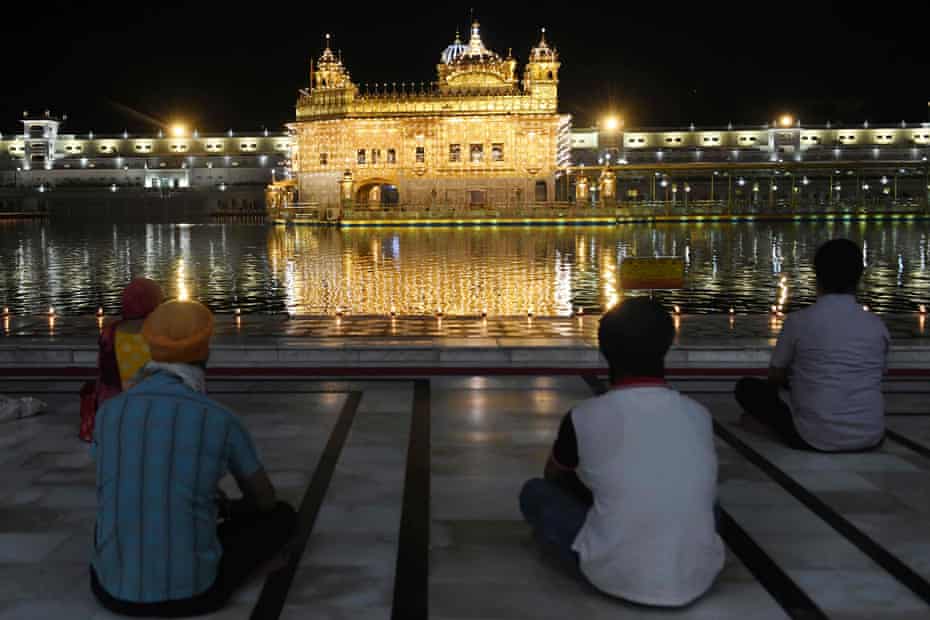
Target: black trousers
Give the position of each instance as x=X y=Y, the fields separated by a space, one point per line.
x=248 y=540
x=760 y=399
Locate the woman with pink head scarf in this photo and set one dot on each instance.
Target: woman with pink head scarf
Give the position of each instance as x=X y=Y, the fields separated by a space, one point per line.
x=123 y=351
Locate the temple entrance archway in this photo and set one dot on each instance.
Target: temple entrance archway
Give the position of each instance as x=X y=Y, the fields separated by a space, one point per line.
x=377 y=192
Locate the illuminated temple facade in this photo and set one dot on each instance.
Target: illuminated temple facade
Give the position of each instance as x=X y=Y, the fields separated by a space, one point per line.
x=477 y=136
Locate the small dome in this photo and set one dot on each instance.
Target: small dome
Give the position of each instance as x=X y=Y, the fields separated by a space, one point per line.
x=472 y=53
x=542 y=51
x=454 y=51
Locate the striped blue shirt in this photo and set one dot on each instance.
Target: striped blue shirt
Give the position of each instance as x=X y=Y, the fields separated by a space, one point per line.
x=161 y=448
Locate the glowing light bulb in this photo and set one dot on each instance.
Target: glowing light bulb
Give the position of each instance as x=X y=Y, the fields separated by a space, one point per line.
x=732 y=311
x=677 y=310
x=6 y=311
x=923 y=309
x=100 y=311
x=237 y=311
x=339 y=311
x=51 y=311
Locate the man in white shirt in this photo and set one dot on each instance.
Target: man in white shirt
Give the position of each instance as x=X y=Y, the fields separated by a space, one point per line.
x=831 y=357
x=630 y=487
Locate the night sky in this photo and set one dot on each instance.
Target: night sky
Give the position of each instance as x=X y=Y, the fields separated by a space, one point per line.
x=217 y=66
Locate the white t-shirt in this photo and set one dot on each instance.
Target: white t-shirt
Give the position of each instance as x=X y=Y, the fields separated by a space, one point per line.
x=836 y=354
x=647 y=454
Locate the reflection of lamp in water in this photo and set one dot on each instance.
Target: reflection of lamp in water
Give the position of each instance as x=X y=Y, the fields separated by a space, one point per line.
x=782 y=295
x=183 y=293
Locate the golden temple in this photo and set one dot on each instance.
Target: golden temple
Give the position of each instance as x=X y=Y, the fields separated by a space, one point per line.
x=476 y=136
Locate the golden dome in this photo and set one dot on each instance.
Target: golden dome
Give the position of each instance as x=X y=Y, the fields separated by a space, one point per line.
x=474 y=66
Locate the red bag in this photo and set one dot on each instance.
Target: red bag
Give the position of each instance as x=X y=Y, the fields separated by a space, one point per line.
x=88 y=410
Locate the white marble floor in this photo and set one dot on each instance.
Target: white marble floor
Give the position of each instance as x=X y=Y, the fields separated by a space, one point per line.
x=488 y=435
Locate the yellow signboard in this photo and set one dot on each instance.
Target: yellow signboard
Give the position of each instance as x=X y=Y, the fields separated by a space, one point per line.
x=652 y=273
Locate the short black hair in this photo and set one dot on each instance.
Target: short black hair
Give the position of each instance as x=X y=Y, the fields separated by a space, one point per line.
x=838 y=265
x=635 y=336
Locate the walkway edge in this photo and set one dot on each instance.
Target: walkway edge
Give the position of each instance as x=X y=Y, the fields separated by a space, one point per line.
x=867 y=545
x=411 y=575
x=274 y=594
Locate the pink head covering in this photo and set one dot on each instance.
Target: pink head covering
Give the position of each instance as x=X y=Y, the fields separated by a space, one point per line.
x=140 y=297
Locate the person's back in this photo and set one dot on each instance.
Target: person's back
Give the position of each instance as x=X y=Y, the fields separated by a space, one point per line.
x=122 y=349
x=836 y=352
x=830 y=357
x=132 y=352
x=629 y=490
x=647 y=455
x=161 y=448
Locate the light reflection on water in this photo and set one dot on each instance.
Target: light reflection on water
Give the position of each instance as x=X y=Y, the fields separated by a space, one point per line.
x=506 y=271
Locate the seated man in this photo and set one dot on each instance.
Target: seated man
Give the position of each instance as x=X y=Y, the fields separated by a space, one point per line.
x=835 y=354
x=161 y=449
x=630 y=487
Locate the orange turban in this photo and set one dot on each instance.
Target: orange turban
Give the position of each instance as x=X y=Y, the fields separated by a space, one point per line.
x=179 y=332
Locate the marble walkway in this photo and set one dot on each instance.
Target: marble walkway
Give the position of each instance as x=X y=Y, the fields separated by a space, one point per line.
x=418 y=515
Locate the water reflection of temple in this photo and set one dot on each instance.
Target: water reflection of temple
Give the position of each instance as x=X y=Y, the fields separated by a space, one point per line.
x=506 y=271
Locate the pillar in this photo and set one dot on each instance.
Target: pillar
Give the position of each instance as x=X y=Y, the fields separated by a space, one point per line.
x=346 y=187
x=608 y=185
x=581 y=190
